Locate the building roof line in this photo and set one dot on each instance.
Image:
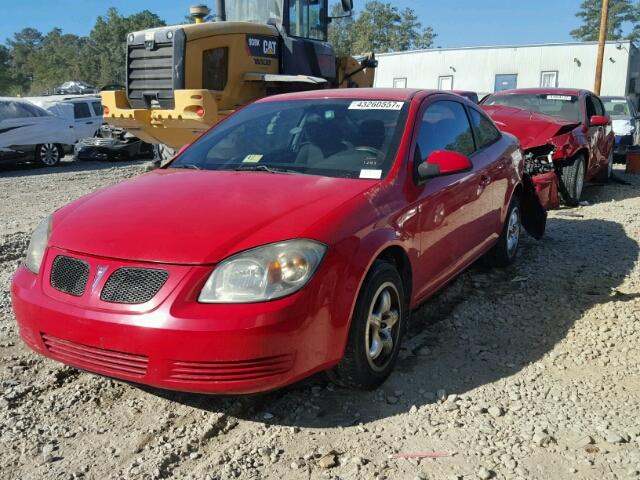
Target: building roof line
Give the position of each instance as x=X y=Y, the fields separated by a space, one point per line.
x=501 y=47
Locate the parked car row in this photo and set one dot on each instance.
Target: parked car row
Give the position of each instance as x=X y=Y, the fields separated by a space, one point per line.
x=299 y=233
x=44 y=129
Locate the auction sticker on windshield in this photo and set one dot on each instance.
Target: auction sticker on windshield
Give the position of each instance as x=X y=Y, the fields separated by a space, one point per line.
x=253 y=158
x=375 y=105
x=371 y=174
x=564 y=98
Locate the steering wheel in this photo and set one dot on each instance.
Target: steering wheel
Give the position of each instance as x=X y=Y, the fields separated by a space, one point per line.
x=372 y=150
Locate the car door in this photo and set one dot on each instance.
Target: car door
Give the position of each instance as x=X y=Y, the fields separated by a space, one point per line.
x=492 y=161
x=448 y=206
x=606 y=140
x=85 y=120
x=597 y=137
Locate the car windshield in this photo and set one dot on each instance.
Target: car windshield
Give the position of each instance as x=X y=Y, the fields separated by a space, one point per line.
x=616 y=107
x=344 y=138
x=563 y=106
x=254 y=11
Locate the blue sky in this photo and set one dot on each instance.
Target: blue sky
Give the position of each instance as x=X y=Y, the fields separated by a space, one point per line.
x=457 y=22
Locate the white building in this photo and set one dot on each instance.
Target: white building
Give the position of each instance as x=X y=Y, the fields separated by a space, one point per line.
x=488 y=69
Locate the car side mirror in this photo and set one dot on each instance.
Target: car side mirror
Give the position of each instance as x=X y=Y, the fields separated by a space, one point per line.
x=599 y=121
x=443 y=162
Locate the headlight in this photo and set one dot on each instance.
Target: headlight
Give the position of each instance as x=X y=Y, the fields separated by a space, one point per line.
x=264 y=273
x=38 y=245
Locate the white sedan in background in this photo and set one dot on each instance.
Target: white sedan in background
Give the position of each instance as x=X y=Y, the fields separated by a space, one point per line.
x=28 y=132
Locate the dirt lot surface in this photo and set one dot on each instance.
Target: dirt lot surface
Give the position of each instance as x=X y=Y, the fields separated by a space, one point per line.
x=530 y=372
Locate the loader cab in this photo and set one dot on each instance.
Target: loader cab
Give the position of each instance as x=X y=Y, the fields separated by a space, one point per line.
x=303 y=25
x=305 y=49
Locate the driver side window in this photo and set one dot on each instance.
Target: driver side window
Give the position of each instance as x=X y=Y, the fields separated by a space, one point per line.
x=305 y=19
x=444 y=126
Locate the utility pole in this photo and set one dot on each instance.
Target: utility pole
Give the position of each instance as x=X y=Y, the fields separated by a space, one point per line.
x=604 y=21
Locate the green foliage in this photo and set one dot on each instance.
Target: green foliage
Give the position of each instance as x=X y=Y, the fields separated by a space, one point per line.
x=621 y=12
x=38 y=63
x=379 y=27
x=107 y=47
x=5 y=72
x=22 y=47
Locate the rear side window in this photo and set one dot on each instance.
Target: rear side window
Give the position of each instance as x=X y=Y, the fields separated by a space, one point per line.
x=81 y=110
x=215 y=63
x=444 y=126
x=486 y=133
x=97 y=107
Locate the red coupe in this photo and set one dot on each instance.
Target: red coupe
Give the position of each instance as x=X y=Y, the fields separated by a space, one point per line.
x=565 y=135
x=294 y=237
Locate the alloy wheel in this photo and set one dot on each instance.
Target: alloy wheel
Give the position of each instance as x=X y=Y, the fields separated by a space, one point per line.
x=49 y=154
x=579 y=180
x=513 y=232
x=383 y=326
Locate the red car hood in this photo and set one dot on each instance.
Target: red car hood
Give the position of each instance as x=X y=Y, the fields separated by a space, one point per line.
x=531 y=129
x=198 y=217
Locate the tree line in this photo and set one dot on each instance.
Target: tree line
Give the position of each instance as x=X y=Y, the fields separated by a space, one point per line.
x=33 y=63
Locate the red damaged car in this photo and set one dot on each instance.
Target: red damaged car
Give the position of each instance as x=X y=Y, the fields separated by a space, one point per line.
x=294 y=237
x=565 y=134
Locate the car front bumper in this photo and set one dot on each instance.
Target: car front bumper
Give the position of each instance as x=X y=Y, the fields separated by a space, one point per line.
x=173 y=342
x=623 y=144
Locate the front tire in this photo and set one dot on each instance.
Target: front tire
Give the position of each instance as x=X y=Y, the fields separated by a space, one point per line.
x=377 y=328
x=505 y=251
x=48 y=154
x=572 y=178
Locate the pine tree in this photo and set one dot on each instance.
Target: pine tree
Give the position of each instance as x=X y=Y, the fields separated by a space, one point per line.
x=621 y=12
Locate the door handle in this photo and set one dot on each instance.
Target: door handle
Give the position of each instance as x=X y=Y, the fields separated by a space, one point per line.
x=89 y=123
x=485 y=181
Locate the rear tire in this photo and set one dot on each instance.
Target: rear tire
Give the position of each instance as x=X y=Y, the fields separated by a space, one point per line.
x=504 y=252
x=607 y=172
x=377 y=328
x=572 y=178
x=48 y=154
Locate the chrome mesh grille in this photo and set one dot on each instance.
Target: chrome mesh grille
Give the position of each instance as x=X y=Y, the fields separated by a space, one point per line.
x=69 y=275
x=133 y=285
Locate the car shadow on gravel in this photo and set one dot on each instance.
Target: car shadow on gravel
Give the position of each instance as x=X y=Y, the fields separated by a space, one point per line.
x=31 y=169
x=484 y=327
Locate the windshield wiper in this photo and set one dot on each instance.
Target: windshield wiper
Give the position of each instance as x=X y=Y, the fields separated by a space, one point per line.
x=189 y=166
x=264 y=168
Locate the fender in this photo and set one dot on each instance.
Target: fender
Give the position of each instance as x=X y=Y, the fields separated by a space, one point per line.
x=364 y=252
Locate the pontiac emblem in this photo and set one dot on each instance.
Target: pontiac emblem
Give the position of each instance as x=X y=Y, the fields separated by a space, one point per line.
x=100 y=271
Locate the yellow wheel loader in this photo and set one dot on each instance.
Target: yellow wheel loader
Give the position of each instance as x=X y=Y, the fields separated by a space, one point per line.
x=182 y=79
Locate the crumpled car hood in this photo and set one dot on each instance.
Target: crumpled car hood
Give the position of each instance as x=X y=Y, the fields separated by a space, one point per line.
x=199 y=217
x=531 y=129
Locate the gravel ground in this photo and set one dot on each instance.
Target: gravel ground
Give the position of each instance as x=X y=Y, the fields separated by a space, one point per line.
x=530 y=372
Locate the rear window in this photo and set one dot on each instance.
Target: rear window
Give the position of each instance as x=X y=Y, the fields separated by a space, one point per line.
x=97 y=107
x=617 y=107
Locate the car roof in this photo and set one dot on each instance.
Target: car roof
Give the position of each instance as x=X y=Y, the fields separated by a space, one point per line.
x=397 y=94
x=551 y=91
